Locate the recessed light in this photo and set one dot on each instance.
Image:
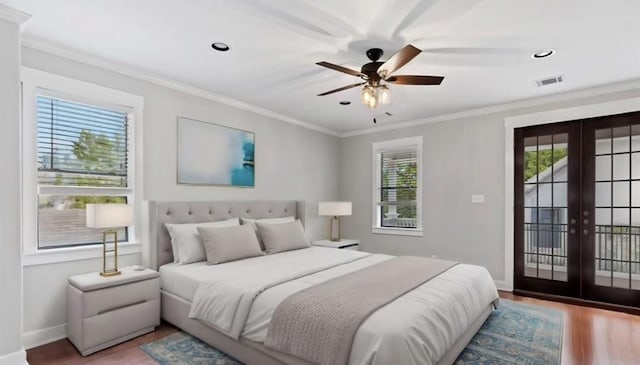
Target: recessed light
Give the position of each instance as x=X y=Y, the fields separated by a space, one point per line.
x=345 y=102
x=219 y=46
x=543 y=53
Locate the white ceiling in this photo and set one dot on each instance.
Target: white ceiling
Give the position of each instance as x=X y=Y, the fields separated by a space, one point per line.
x=482 y=47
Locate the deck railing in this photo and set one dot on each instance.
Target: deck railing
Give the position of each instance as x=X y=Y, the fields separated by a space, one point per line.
x=617 y=247
x=399 y=222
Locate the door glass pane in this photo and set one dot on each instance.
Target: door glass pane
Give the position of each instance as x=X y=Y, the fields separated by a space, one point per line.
x=616 y=228
x=621 y=194
x=603 y=194
x=635 y=139
x=635 y=165
x=545 y=198
x=603 y=168
x=603 y=141
x=635 y=194
x=560 y=194
x=621 y=139
x=621 y=166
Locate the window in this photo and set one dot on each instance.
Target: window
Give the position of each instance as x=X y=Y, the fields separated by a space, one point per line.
x=83 y=155
x=79 y=147
x=397 y=186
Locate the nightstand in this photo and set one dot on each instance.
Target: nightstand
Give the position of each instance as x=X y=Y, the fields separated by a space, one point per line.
x=344 y=244
x=104 y=311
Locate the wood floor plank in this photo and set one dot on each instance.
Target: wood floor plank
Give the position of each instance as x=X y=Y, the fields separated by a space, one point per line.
x=591 y=336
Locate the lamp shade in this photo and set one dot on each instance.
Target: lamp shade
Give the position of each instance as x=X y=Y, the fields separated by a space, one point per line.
x=109 y=215
x=334 y=208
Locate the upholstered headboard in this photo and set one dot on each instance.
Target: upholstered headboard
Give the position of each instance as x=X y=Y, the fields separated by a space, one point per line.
x=158 y=213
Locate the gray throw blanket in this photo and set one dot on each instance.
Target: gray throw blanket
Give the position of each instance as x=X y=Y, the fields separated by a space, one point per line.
x=318 y=324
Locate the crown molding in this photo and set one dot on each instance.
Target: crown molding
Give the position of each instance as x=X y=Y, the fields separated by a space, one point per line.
x=567 y=96
x=43 y=46
x=13 y=15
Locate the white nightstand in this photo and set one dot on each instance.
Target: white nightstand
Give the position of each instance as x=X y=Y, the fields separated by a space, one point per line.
x=344 y=244
x=104 y=311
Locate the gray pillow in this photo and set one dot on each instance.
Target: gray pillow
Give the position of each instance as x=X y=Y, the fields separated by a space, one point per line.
x=283 y=236
x=229 y=244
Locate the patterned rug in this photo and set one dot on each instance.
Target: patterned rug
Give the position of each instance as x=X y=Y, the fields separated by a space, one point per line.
x=514 y=334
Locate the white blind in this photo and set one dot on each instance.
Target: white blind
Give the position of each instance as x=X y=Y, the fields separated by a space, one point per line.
x=397 y=177
x=81 y=145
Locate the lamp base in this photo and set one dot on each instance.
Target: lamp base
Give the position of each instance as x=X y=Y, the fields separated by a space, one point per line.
x=110 y=273
x=333 y=237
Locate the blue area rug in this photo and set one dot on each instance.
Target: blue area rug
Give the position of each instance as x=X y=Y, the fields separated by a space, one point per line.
x=514 y=334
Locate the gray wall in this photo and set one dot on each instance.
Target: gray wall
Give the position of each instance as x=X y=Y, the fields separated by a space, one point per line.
x=10 y=258
x=461 y=157
x=291 y=163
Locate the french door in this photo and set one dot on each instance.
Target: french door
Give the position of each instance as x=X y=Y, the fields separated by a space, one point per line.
x=577 y=209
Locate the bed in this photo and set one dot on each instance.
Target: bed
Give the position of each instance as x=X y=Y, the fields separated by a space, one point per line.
x=429 y=325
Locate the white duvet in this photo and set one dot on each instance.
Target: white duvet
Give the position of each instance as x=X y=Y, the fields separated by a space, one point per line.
x=238 y=298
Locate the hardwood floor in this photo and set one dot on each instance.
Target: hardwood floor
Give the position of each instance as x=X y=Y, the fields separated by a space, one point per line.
x=594 y=336
x=591 y=336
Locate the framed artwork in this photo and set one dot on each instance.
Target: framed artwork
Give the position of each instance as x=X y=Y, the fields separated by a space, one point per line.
x=213 y=154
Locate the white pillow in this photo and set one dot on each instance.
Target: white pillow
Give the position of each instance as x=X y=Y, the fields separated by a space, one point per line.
x=253 y=222
x=185 y=241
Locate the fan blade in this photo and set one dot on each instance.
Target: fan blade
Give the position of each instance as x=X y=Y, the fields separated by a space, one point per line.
x=342 y=88
x=399 y=59
x=415 y=80
x=340 y=68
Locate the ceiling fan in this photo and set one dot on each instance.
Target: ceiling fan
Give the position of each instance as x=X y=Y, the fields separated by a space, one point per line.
x=375 y=73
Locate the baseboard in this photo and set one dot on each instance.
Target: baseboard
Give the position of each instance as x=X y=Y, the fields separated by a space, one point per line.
x=503 y=285
x=579 y=301
x=14 y=358
x=43 y=336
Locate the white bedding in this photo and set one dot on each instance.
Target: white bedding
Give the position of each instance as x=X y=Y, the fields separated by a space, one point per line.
x=417 y=328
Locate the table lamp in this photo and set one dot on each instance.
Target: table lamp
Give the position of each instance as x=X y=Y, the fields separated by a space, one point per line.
x=334 y=210
x=109 y=218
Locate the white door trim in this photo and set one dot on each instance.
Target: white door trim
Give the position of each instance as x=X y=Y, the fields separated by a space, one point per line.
x=549 y=116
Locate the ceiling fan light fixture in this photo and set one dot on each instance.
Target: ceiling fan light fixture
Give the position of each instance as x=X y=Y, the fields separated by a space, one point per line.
x=373 y=103
x=383 y=95
x=368 y=94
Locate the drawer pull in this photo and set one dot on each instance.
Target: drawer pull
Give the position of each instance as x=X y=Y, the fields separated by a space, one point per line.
x=122 y=306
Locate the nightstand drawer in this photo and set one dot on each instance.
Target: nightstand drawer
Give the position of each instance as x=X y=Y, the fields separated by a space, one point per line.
x=104 y=300
x=117 y=323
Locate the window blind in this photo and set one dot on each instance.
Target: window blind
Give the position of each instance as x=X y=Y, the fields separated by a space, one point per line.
x=397 y=177
x=81 y=145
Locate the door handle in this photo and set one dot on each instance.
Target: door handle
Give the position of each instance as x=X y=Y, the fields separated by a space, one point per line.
x=585 y=232
x=585 y=221
x=572 y=231
x=573 y=221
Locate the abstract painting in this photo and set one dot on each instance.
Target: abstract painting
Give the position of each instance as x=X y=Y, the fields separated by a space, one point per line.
x=212 y=154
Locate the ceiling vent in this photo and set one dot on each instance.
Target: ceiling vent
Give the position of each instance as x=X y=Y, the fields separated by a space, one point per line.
x=550 y=81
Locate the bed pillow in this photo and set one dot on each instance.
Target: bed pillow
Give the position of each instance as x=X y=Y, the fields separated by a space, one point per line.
x=252 y=223
x=185 y=241
x=229 y=244
x=282 y=236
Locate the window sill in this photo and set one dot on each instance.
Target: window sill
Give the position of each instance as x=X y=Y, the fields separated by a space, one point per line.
x=397 y=231
x=55 y=255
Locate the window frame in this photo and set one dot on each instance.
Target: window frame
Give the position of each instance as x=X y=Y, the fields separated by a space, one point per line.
x=392 y=145
x=34 y=83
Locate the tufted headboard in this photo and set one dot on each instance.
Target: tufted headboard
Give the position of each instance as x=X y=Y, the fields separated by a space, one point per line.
x=158 y=213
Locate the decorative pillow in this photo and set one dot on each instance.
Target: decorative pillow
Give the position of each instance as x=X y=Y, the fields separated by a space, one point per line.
x=253 y=222
x=185 y=242
x=229 y=244
x=283 y=236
